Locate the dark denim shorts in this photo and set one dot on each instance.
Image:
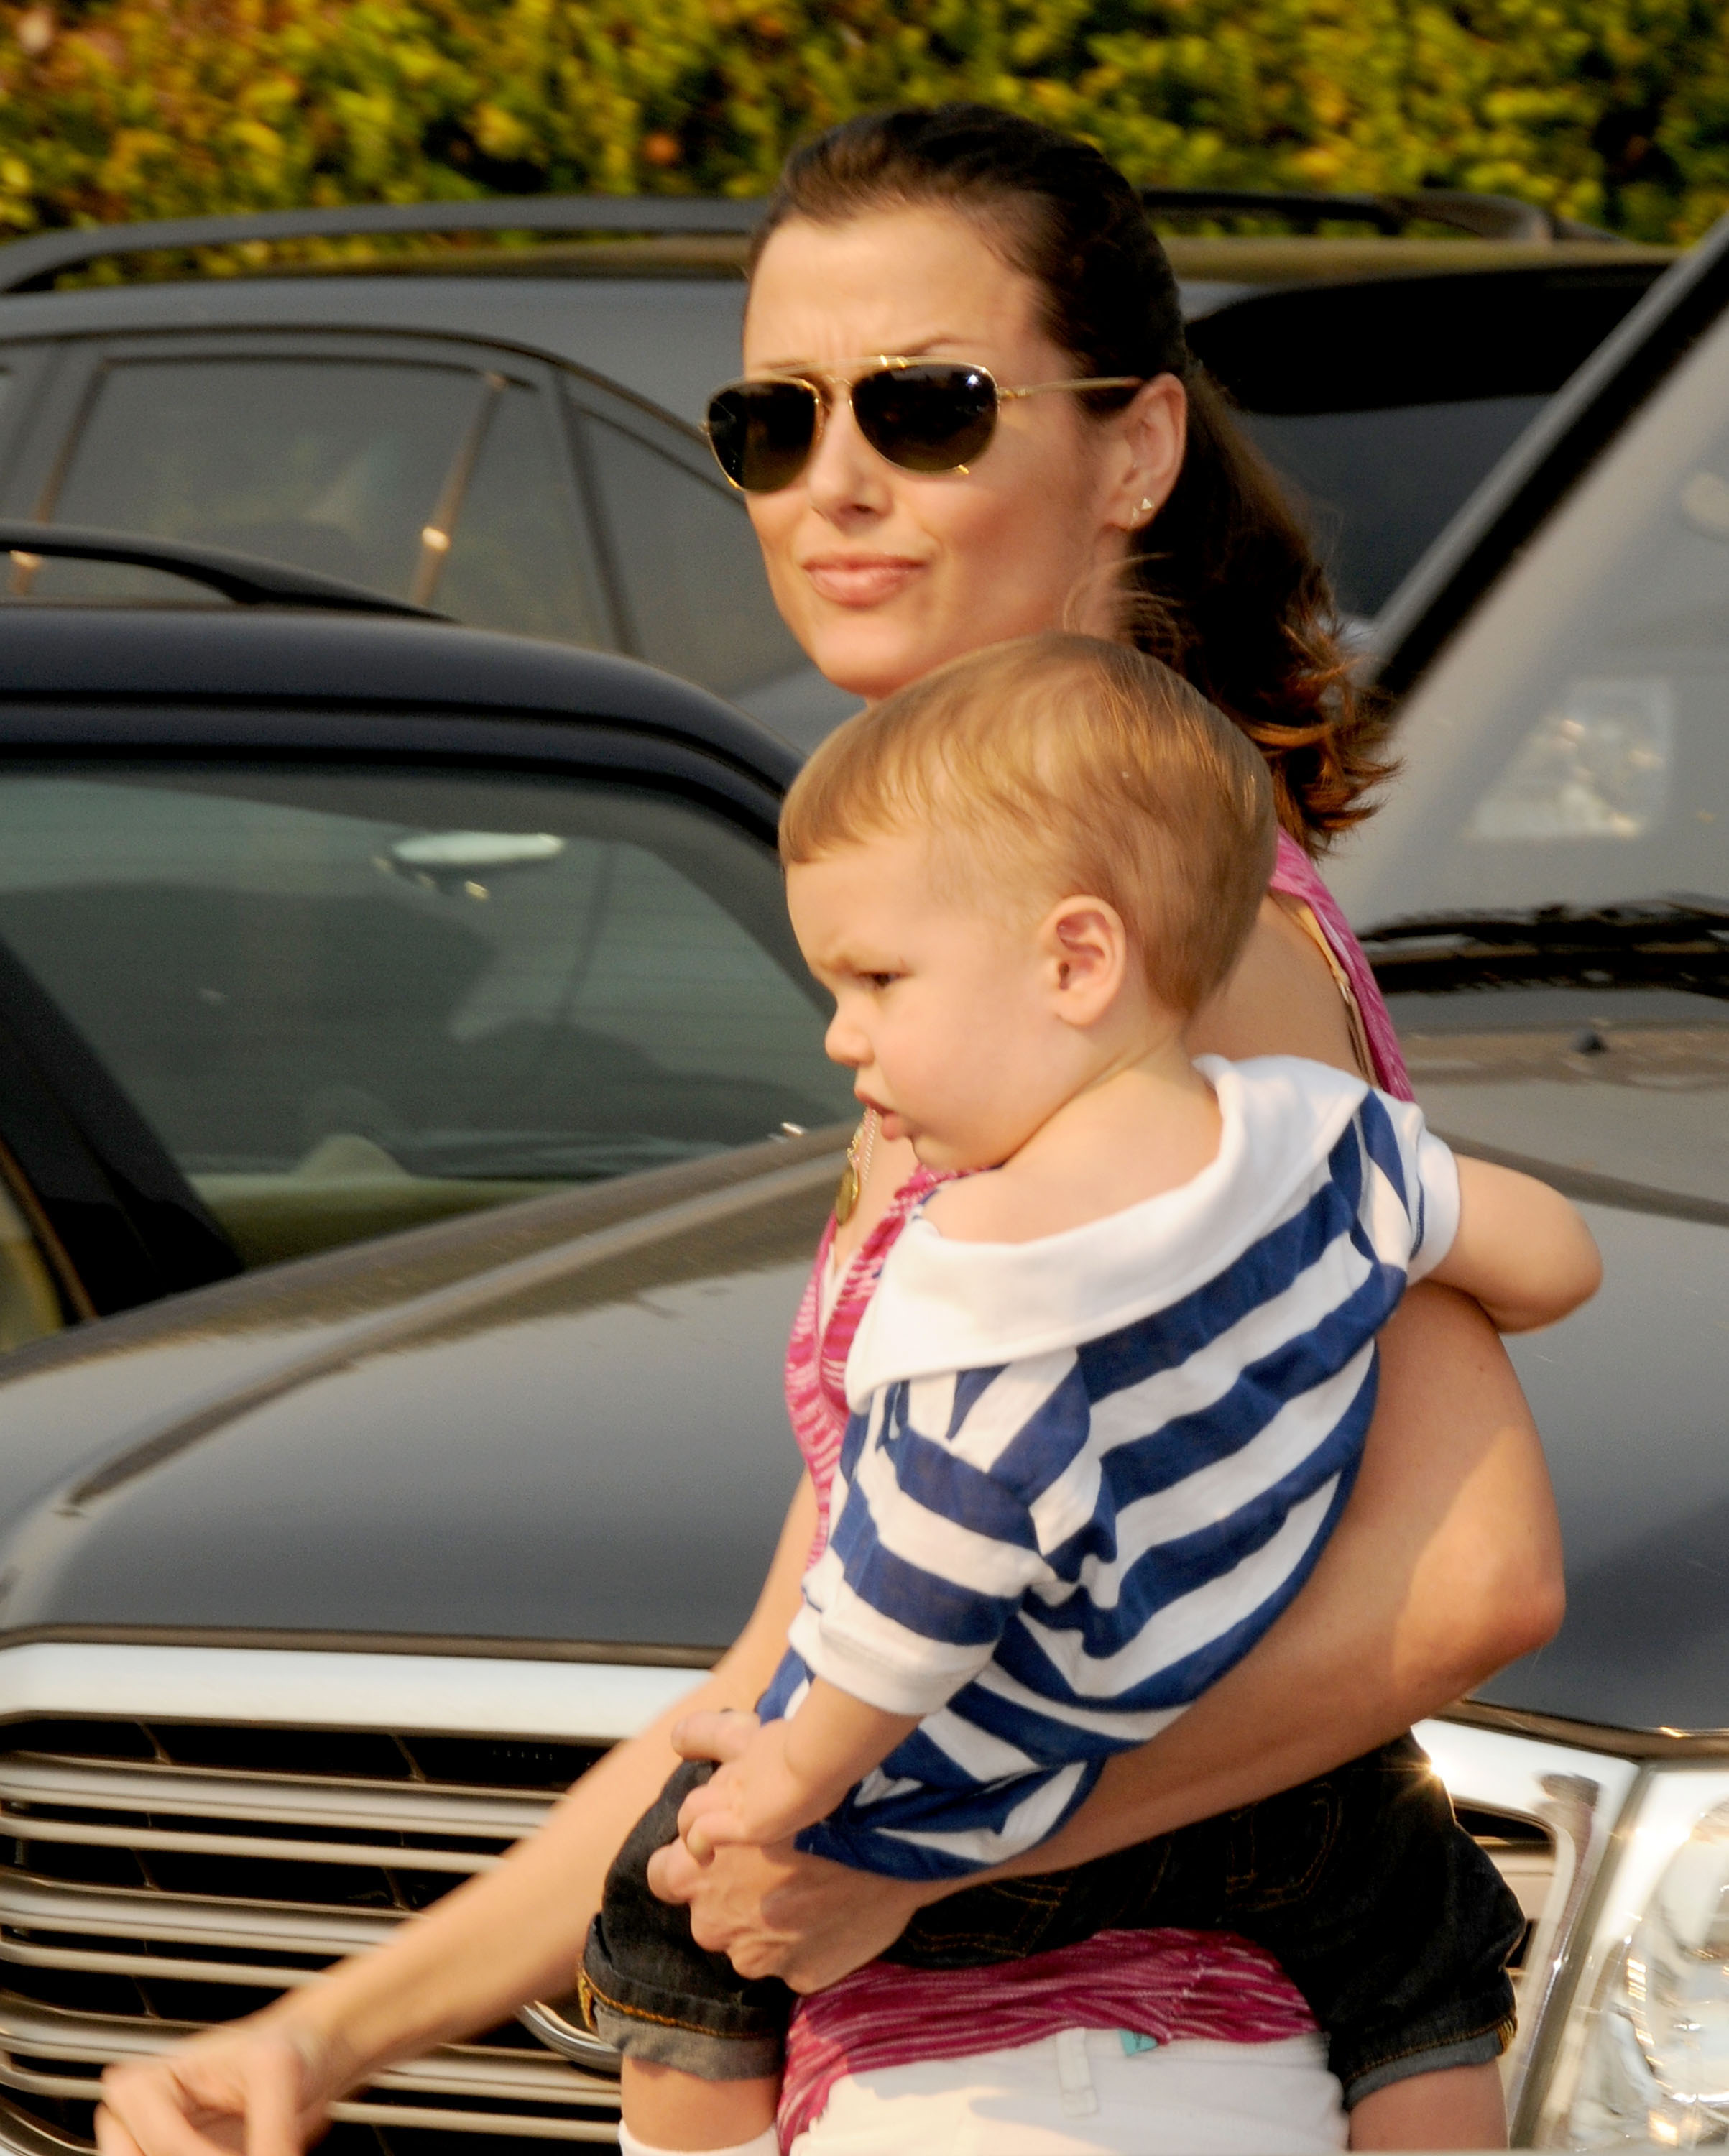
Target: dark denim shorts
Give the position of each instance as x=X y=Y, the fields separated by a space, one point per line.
x=1382 y=1911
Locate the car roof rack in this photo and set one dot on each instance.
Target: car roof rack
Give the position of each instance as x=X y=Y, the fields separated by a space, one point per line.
x=245 y=578
x=1484 y=217
x=32 y=264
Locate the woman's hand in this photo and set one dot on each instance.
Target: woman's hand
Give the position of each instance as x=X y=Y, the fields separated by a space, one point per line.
x=260 y=2086
x=774 y=1911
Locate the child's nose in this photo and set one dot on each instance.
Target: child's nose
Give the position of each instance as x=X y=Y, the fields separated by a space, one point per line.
x=843 y=1043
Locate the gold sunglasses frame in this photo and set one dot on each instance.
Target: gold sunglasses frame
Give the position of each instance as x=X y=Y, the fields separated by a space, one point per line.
x=817 y=379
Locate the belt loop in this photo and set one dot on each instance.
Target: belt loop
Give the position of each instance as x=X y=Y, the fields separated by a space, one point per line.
x=1074 y=2074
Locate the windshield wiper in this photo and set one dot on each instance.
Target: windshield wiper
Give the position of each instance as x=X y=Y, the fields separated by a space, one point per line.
x=1678 y=941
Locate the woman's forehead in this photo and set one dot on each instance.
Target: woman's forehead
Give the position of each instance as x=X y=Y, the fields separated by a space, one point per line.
x=901 y=281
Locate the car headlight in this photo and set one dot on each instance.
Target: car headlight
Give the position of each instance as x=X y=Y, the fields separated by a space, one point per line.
x=1644 y=2055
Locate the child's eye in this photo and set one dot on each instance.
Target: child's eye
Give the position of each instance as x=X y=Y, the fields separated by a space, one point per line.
x=882 y=980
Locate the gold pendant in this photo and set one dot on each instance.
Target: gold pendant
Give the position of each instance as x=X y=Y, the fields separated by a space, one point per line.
x=846 y=1196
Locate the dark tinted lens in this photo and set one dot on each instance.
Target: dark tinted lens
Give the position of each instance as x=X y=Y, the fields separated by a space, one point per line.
x=761 y=432
x=931 y=417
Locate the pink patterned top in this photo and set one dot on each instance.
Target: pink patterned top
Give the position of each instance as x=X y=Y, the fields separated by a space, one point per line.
x=1162 y=1985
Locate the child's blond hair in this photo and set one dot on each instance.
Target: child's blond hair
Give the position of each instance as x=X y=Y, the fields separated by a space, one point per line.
x=1059 y=766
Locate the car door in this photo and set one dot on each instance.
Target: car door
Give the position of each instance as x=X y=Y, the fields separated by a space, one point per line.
x=343 y=993
x=506 y=490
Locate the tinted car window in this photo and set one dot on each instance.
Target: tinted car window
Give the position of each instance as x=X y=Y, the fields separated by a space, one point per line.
x=1378 y=485
x=1567 y=754
x=334 y=465
x=348 y=1001
x=519 y=557
x=692 y=577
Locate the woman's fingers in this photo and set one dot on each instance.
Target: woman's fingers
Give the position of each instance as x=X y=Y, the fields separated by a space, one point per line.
x=241 y=2092
x=719 y=1733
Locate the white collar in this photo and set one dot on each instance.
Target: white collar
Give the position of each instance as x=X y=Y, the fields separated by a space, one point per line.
x=943 y=1305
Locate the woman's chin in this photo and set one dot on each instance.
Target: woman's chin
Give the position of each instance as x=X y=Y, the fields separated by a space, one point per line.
x=870 y=659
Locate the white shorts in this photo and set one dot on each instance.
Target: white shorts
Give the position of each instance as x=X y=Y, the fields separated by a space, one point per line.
x=1081 y=2094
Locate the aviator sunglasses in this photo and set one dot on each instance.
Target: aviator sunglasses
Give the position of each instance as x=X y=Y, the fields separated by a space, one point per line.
x=924 y=415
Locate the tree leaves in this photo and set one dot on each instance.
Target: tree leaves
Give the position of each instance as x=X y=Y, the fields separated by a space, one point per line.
x=1615 y=112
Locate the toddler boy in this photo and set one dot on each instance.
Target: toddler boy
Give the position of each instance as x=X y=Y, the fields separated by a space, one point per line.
x=1108 y=1400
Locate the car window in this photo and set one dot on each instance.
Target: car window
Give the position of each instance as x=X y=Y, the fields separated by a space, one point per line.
x=1562 y=821
x=693 y=582
x=352 y=1000
x=1378 y=486
x=519 y=557
x=339 y=466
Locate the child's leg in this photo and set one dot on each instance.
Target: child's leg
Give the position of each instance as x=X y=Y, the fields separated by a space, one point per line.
x=1460 y=2108
x=701 y=2046
x=665 y=2110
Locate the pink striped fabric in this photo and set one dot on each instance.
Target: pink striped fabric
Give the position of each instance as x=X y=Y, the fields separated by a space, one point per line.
x=1167 y=1985
x=1296 y=876
x=1162 y=1985
x=816 y=1355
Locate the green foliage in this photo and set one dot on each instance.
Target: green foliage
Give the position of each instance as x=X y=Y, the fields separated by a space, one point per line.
x=1612 y=110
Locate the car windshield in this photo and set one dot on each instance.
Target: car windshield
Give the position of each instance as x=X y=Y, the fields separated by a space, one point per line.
x=356 y=998
x=1564 y=794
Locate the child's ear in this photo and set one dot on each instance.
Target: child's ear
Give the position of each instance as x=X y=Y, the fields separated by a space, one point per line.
x=1086 y=948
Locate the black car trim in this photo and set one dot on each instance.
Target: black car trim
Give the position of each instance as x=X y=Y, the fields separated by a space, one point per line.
x=112 y=728
x=60 y=1103
x=1553 y=452
x=256 y=655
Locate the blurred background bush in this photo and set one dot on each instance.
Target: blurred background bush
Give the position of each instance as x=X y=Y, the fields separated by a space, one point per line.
x=1615 y=112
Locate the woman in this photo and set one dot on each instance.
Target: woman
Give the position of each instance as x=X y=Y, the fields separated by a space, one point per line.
x=984 y=243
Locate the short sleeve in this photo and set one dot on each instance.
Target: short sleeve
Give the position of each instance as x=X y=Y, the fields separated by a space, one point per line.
x=1422 y=1168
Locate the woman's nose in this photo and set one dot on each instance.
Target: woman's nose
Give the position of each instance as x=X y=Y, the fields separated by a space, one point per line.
x=845 y=478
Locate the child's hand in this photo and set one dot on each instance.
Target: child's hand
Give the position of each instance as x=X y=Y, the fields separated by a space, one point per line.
x=755 y=1798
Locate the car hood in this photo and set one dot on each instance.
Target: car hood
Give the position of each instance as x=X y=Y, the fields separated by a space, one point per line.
x=560 y=1427
x=1629 y=1394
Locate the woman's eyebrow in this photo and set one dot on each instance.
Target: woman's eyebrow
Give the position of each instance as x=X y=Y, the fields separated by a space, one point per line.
x=901 y=351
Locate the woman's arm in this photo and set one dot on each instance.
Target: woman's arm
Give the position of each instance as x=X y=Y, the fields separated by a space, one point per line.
x=509 y=1936
x=1445 y=1565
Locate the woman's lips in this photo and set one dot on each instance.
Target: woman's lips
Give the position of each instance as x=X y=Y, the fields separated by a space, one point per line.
x=861 y=580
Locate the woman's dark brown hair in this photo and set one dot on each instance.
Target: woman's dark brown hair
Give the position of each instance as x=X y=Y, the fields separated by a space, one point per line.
x=1228 y=592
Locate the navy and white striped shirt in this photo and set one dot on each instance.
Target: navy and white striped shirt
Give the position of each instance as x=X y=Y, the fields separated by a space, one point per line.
x=1084 y=1475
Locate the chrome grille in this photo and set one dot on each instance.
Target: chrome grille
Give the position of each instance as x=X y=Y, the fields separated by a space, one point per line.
x=155 y=1877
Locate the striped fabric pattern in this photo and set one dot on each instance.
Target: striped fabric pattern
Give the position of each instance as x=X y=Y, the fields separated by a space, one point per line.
x=1170 y=1986
x=1049 y=1542
x=815 y=1375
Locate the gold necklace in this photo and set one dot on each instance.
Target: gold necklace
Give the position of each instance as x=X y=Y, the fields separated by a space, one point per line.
x=856 y=1171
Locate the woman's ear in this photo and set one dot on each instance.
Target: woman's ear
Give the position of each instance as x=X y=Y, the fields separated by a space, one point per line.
x=1153 y=434
x=1085 y=950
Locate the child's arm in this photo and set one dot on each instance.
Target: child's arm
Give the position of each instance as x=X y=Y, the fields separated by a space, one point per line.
x=1521 y=1249
x=793 y=1772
